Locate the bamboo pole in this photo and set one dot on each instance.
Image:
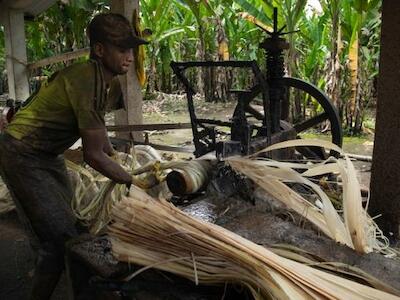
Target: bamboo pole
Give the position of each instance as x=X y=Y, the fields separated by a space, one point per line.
x=58 y=58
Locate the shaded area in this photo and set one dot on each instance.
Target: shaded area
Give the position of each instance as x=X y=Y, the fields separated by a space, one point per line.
x=17 y=262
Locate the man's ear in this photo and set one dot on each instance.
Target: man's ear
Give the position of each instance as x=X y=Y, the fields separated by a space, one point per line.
x=98 y=49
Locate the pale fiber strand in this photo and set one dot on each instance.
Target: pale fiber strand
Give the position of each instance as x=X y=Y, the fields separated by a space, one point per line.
x=357 y=223
x=151 y=236
x=254 y=170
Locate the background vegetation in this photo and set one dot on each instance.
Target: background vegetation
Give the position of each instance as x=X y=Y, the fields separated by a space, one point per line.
x=337 y=47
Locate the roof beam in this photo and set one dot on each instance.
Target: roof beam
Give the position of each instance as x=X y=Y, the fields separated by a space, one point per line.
x=58 y=58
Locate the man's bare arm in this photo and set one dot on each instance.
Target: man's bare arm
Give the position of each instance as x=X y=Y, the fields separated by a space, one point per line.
x=94 y=142
x=107 y=148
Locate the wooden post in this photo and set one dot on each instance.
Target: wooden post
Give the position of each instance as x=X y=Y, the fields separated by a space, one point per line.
x=16 y=60
x=385 y=176
x=129 y=82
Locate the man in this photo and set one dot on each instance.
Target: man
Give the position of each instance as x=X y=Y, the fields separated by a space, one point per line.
x=71 y=105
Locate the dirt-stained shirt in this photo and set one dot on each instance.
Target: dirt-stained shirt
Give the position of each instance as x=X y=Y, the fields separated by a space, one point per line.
x=72 y=99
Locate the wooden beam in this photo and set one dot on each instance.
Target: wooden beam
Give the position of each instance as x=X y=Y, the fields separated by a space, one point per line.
x=58 y=58
x=141 y=127
x=130 y=84
x=186 y=149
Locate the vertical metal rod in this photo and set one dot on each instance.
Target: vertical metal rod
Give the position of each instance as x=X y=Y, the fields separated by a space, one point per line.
x=266 y=100
x=193 y=118
x=275 y=19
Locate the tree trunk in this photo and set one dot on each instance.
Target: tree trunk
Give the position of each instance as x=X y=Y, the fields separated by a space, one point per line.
x=130 y=84
x=333 y=78
x=222 y=77
x=295 y=95
x=151 y=76
x=200 y=54
x=385 y=187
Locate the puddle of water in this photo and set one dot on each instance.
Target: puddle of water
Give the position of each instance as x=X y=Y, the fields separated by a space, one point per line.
x=202 y=210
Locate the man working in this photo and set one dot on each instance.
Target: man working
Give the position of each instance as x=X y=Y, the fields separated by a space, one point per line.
x=71 y=105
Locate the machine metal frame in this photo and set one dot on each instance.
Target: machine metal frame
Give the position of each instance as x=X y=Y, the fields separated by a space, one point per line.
x=273 y=85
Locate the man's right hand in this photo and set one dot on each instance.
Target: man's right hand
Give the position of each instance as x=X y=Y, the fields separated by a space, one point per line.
x=93 y=141
x=145 y=182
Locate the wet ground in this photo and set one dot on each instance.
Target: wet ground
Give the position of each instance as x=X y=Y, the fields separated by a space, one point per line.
x=16 y=263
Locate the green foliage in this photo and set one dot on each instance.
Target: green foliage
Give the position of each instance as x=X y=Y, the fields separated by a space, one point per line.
x=185 y=30
x=60 y=29
x=259 y=9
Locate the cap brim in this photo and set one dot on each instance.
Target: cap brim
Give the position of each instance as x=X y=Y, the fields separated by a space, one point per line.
x=132 y=42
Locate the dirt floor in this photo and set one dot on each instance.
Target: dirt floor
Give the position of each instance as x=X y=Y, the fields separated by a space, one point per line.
x=17 y=261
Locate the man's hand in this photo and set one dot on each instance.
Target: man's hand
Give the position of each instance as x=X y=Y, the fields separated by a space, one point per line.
x=145 y=182
x=95 y=141
x=114 y=156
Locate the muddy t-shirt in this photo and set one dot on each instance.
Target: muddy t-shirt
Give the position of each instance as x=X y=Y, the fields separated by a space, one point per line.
x=72 y=99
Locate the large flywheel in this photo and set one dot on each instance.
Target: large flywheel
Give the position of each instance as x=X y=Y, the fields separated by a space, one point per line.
x=328 y=117
x=329 y=113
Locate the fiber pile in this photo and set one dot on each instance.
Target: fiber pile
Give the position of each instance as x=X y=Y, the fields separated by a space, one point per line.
x=351 y=225
x=155 y=234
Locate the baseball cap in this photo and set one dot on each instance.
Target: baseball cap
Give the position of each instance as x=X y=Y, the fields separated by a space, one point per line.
x=115 y=29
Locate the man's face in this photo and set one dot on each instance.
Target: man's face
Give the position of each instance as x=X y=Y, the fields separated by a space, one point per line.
x=115 y=59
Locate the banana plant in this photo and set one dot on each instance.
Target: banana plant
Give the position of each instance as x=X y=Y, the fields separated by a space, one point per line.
x=262 y=10
x=334 y=46
x=201 y=10
x=354 y=15
x=313 y=34
x=312 y=48
x=251 y=35
x=290 y=13
x=161 y=18
x=61 y=28
x=204 y=16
